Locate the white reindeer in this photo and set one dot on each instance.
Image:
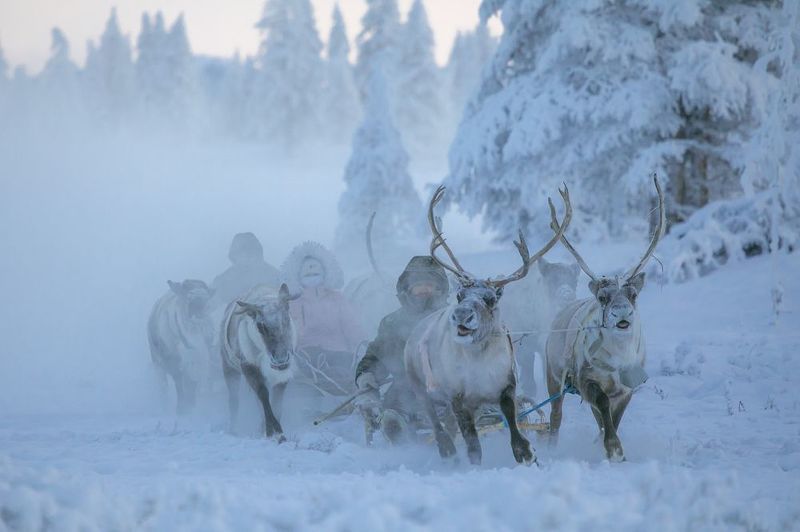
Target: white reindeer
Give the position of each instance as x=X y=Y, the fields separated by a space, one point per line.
x=462 y=355
x=597 y=345
x=258 y=339
x=180 y=334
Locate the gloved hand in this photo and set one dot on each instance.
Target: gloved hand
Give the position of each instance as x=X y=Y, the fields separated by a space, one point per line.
x=366 y=380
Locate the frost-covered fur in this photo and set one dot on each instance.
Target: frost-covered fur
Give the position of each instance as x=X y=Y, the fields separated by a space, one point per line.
x=464 y=356
x=597 y=342
x=180 y=334
x=291 y=267
x=258 y=339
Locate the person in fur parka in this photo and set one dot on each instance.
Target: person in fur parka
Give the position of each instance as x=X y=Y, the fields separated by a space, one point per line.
x=328 y=330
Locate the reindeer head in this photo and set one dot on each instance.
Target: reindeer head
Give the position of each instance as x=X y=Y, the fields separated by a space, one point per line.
x=561 y=281
x=475 y=315
x=617 y=295
x=193 y=294
x=617 y=298
x=274 y=326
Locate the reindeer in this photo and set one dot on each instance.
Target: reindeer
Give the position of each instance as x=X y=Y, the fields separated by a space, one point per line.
x=529 y=308
x=462 y=355
x=258 y=339
x=371 y=294
x=179 y=333
x=597 y=345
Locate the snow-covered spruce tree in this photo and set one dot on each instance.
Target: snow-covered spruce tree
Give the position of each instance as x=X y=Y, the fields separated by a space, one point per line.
x=3 y=68
x=151 y=76
x=5 y=93
x=109 y=81
x=600 y=95
x=470 y=53
x=379 y=43
x=287 y=92
x=181 y=63
x=166 y=73
x=58 y=94
x=418 y=108
x=377 y=180
x=227 y=107
x=342 y=107
x=767 y=217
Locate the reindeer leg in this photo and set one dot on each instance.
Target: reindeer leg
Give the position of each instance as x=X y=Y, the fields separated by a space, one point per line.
x=619 y=409
x=599 y=418
x=599 y=400
x=232 y=379
x=466 y=422
x=277 y=398
x=180 y=393
x=443 y=440
x=520 y=445
x=554 y=387
x=257 y=382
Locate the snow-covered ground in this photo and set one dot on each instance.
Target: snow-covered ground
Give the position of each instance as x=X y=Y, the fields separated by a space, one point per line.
x=712 y=442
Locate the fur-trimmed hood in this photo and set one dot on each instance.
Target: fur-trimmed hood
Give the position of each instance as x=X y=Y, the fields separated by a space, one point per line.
x=290 y=269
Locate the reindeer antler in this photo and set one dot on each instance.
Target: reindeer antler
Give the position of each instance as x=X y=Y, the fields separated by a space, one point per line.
x=659 y=232
x=438 y=240
x=370 y=252
x=560 y=230
x=522 y=246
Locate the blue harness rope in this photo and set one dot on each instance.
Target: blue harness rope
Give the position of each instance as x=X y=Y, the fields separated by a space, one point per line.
x=567 y=389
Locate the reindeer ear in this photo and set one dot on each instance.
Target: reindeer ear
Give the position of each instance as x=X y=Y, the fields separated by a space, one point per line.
x=543 y=264
x=248 y=308
x=175 y=287
x=594 y=286
x=637 y=281
x=284 y=295
x=498 y=292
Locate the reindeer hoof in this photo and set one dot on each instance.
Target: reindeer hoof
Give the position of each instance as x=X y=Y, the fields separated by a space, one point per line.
x=522 y=453
x=446 y=446
x=277 y=436
x=475 y=457
x=616 y=457
x=614 y=451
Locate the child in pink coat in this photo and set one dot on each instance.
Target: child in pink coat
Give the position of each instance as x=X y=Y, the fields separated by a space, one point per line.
x=328 y=330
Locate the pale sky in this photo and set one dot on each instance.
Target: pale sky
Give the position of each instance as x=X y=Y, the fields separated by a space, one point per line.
x=215 y=27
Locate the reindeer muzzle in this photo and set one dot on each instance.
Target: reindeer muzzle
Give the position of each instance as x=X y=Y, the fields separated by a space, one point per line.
x=281 y=363
x=464 y=331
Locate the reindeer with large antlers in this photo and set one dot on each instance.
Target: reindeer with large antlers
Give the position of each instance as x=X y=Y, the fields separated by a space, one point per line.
x=597 y=345
x=463 y=355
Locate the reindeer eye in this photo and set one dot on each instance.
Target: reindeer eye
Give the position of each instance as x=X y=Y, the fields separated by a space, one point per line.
x=603 y=299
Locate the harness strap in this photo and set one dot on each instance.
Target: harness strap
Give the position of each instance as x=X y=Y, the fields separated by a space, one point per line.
x=567 y=389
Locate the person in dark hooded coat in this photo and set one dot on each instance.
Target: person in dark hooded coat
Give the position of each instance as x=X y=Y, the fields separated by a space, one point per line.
x=422 y=288
x=247 y=270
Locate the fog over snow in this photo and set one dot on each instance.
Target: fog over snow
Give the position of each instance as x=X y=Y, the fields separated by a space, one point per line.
x=139 y=165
